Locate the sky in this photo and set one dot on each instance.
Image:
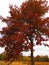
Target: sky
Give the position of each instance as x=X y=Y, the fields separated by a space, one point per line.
x=4 y=9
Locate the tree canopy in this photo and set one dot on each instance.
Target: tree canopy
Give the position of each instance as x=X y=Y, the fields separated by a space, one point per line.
x=24 y=25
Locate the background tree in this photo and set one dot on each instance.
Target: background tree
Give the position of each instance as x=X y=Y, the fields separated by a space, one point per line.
x=24 y=26
x=41 y=58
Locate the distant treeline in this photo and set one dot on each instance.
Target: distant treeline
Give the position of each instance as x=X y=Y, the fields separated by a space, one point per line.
x=36 y=59
x=27 y=58
x=41 y=58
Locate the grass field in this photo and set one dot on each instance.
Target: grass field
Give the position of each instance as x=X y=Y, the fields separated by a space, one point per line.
x=23 y=63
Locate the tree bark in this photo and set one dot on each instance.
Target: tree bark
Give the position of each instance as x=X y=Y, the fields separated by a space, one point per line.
x=32 y=56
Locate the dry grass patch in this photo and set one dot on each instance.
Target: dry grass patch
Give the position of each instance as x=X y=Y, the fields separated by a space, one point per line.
x=41 y=63
x=22 y=63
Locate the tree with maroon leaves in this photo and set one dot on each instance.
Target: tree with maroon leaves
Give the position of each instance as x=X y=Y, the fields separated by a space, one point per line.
x=24 y=25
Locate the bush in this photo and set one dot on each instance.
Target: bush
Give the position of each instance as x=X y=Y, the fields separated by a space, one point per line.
x=2 y=57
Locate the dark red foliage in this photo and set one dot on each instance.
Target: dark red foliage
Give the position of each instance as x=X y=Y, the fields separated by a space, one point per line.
x=24 y=24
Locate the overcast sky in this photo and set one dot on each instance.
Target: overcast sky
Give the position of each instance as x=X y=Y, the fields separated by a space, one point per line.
x=4 y=9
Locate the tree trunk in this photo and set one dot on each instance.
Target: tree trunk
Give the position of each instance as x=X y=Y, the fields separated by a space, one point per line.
x=32 y=57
